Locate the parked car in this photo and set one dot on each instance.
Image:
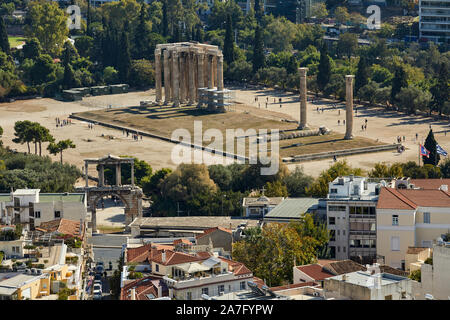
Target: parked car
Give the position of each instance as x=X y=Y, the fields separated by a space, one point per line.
x=97 y=288
x=99 y=282
x=98 y=277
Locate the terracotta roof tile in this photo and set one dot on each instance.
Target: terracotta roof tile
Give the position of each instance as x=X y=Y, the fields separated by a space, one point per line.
x=315 y=271
x=143 y=287
x=430 y=183
x=211 y=230
x=343 y=266
x=182 y=241
x=392 y=199
x=64 y=226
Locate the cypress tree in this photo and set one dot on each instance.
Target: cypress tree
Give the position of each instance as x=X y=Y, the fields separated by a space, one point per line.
x=362 y=75
x=257 y=8
x=176 y=37
x=258 y=50
x=430 y=145
x=4 y=42
x=292 y=66
x=228 y=47
x=398 y=83
x=124 y=63
x=88 y=19
x=140 y=35
x=324 y=74
x=69 y=74
x=164 y=22
x=199 y=34
x=193 y=34
x=441 y=90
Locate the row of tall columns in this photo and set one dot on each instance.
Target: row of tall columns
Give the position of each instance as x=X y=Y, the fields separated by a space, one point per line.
x=349 y=103
x=185 y=71
x=101 y=175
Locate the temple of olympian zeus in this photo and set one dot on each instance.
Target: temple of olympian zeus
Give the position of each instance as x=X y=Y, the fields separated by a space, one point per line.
x=192 y=74
x=303 y=125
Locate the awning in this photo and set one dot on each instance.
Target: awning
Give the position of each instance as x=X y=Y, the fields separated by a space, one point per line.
x=192 y=267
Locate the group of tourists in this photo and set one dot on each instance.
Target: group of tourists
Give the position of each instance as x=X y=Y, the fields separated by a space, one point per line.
x=62 y=123
x=135 y=136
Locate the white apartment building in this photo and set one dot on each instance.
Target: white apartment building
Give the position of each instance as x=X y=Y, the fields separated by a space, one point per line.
x=31 y=206
x=434 y=22
x=351 y=218
x=409 y=218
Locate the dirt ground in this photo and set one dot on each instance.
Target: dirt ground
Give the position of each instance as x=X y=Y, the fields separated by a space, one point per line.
x=382 y=126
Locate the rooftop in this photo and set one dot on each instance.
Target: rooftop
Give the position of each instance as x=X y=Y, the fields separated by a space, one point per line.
x=410 y=199
x=48 y=197
x=192 y=222
x=429 y=184
x=64 y=226
x=262 y=201
x=365 y=279
x=293 y=208
x=315 y=271
x=211 y=230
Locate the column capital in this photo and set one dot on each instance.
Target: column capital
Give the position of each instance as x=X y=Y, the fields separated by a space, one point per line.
x=303 y=71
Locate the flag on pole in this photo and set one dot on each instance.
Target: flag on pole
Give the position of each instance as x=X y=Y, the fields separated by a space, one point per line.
x=441 y=151
x=424 y=152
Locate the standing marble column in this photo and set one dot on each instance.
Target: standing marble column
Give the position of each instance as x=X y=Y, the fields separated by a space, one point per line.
x=191 y=64
x=118 y=175
x=210 y=72
x=201 y=69
x=303 y=99
x=175 y=79
x=186 y=77
x=220 y=85
x=167 y=84
x=86 y=175
x=215 y=70
x=158 y=76
x=349 y=107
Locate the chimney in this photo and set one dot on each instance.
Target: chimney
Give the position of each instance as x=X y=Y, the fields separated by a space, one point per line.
x=133 y=294
x=159 y=290
x=444 y=187
x=163 y=256
x=344 y=277
x=379 y=278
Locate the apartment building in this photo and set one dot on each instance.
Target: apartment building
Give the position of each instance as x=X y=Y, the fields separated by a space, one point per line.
x=434 y=22
x=188 y=276
x=351 y=218
x=409 y=218
x=31 y=206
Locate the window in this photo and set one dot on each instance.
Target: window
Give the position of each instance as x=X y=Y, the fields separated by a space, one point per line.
x=344 y=249
x=395 y=243
x=333 y=190
x=332 y=252
x=188 y=295
x=57 y=214
x=332 y=235
x=339 y=249
x=157 y=268
x=426 y=217
x=339 y=232
x=331 y=220
x=37 y=214
x=242 y=285
x=343 y=232
x=205 y=291
x=221 y=288
x=395 y=220
x=337 y=208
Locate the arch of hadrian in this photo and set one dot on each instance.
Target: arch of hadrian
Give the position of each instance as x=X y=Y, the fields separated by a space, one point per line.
x=192 y=73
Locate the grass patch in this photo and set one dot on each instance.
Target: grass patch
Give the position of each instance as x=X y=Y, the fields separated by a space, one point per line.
x=16 y=41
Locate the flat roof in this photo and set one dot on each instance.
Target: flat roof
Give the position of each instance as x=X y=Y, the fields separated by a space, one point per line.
x=17 y=280
x=192 y=222
x=65 y=197
x=363 y=279
x=49 y=197
x=293 y=208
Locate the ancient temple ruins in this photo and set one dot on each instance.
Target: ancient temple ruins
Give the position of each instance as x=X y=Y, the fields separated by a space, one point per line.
x=302 y=124
x=192 y=74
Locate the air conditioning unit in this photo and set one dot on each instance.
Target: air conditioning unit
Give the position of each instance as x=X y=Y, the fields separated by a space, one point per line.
x=38 y=271
x=316 y=294
x=221 y=293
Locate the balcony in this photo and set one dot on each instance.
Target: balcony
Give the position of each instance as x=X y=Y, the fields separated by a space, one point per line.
x=199 y=281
